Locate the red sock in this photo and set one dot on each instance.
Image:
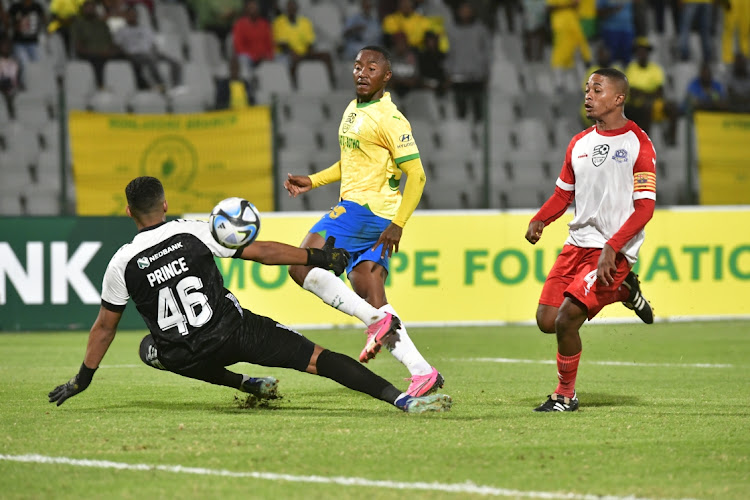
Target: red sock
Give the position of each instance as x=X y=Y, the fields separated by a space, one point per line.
x=567 y=369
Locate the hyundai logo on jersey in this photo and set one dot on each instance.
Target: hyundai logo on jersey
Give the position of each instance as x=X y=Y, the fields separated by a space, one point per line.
x=405 y=138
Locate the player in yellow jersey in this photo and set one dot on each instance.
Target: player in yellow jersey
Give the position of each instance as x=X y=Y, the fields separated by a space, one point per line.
x=377 y=146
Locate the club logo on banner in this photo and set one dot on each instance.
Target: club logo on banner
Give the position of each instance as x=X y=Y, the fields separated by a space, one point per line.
x=200 y=158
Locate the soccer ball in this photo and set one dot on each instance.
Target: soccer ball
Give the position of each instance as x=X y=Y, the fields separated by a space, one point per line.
x=234 y=222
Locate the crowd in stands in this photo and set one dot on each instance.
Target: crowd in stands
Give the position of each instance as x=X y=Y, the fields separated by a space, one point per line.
x=481 y=60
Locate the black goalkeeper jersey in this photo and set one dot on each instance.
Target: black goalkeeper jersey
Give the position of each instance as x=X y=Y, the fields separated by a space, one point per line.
x=169 y=272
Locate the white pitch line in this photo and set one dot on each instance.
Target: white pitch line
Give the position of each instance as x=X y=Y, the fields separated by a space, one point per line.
x=601 y=363
x=467 y=487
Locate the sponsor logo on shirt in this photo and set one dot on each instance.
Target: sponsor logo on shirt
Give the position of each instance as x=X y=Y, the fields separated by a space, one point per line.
x=407 y=141
x=348 y=121
x=161 y=253
x=584 y=155
x=600 y=154
x=143 y=263
x=621 y=156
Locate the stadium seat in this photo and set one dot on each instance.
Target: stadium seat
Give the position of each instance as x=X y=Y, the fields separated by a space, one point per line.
x=107 y=102
x=119 y=77
x=204 y=47
x=682 y=74
x=298 y=137
x=273 y=77
x=335 y=102
x=200 y=82
x=300 y=108
x=188 y=102
x=528 y=168
x=79 y=84
x=421 y=105
x=456 y=137
x=32 y=110
x=148 y=102
x=21 y=144
x=505 y=78
x=40 y=82
x=41 y=200
x=50 y=136
x=10 y=203
x=312 y=78
x=172 y=45
x=530 y=134
x=328 y=23
x=539 y=107
x=172 y=17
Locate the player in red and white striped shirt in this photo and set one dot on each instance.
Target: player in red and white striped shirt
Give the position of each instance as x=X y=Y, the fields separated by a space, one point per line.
x=609 y=170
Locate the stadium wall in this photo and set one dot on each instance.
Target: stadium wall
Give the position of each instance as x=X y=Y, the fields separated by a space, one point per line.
x=472 y=267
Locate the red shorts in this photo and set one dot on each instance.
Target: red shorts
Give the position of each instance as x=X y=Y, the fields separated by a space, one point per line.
x=574 y=275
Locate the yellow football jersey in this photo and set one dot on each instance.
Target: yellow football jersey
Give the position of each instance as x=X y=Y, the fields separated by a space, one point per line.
x=375 y=138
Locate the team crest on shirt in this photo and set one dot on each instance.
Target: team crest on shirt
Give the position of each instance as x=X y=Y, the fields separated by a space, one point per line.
x=599 y=154
x=621 y=156
x=143 y=263
x=348 y=122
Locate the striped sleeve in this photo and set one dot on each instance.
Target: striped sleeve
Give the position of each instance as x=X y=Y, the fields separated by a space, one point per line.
x=644 y=170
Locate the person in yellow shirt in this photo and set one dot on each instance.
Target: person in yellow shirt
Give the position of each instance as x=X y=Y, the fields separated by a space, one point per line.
x=414 y=25
x=587 y=16
x=736 y=21
x=377 y=148
x=567 y=37
x=294 y=36
x=646 y=103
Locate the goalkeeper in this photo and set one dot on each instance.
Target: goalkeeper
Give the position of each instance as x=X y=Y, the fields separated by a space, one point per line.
x=197 y=326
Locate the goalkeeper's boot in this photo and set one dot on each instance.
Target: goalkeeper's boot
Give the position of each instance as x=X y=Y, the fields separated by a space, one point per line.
x=558 y=402
x=379 y=334
x=423 y=404
x=422 y=385
x=261 y=387
x=636 y=301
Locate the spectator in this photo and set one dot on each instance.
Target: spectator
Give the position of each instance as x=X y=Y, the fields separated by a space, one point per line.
x=93 y=41
x=216 y=16
x=567 y=38
x=252 y=37
x=705 y=92
x=412 y=24
x=404 y=66
x=295 y=38
x=63 y=12
x=617 y=28
x=431 y=65
x=535 y=29
x=738 y=85
x=587 y=17
x=10 y=72
x=702 y=10
x=469 y=60
x=361 y=29
x=138 y=43
x=647 y=103
x=736 y=21
x=28 y=19
x=114 y=14
x=233 y=92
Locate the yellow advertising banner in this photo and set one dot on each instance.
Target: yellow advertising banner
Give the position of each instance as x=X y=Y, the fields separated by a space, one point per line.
x=477 y=268
x=722 y=158
x=200 y=158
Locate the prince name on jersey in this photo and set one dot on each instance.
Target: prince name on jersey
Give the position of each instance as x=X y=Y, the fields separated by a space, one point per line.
x=169 y=272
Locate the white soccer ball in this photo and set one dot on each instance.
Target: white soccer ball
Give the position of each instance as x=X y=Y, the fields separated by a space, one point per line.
x=234 y=222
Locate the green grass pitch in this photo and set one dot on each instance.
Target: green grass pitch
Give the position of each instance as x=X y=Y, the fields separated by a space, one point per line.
x=663 y=415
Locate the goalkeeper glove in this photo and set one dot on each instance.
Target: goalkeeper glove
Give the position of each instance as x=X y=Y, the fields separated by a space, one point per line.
x=73 y=386
x=328 y=257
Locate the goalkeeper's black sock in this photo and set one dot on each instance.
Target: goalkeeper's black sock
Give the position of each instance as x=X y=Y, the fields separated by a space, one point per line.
x=353 y=375
x=214 y=375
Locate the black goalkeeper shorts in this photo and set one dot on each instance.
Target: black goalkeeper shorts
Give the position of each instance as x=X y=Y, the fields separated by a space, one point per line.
x=260 y=341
